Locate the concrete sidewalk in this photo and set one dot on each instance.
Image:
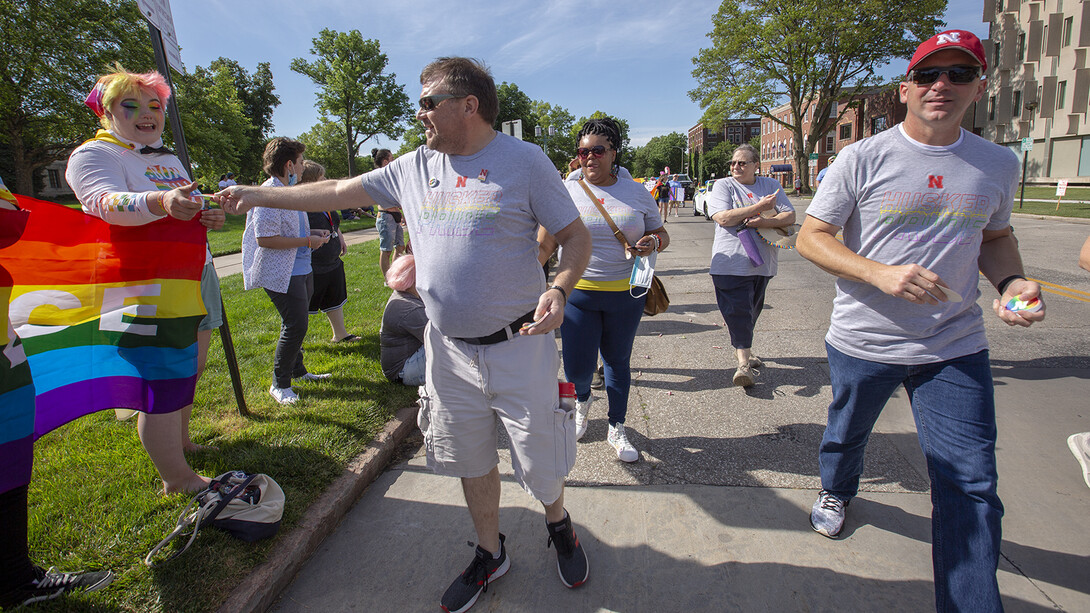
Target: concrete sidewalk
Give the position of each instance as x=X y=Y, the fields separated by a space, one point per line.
x=714 y=516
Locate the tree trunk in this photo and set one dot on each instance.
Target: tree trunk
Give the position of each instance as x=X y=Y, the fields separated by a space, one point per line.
x=24 y=170
x=348 y=146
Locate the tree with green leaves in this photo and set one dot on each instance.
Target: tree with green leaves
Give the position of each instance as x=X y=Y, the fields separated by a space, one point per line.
x=53 y=51
x=561 y=145
x=716 y=161
x=325 y=145
x=515 y=104
x=217 y=130
x=412 y=138
x=259 y=101
x=354 y=91
x=657 y=154
x=805 y=53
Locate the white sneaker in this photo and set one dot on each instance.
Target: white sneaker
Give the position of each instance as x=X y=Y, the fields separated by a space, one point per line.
x=582 y=407
x=283 y=395
x=1080 y=446
x=619 y=439
x=310 y=376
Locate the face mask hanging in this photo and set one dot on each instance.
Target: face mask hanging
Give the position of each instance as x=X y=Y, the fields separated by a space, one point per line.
x=643 y=272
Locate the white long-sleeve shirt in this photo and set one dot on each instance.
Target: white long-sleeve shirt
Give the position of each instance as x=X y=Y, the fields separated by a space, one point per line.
x=113 y=180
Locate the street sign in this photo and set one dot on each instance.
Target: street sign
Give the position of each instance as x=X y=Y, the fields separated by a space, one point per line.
x=813 y=157
x=513 y=128
x=157 y=12
x=1027 y=144
x=1061 y=187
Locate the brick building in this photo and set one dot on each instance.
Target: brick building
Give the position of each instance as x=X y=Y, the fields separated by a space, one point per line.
x=875 y=110
x=736 y=131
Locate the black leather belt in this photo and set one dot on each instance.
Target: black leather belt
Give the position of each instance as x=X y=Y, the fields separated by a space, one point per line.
x=507 y=333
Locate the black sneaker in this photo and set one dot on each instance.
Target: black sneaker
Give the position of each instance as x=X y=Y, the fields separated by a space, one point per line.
x=571 y=560
x=51 y=584
x=484 y=569
x=597 y=380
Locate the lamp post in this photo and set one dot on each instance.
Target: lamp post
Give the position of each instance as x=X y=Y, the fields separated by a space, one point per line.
x=1030 y=106
x=546 y=133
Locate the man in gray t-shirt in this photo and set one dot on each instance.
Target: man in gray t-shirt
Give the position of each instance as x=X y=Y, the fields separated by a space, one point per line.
x=923 y=207
x=473 y=200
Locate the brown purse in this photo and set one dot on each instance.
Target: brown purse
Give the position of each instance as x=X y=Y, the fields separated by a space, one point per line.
x=657 y=299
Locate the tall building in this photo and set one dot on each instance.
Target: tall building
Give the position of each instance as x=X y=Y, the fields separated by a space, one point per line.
x=1039 y=84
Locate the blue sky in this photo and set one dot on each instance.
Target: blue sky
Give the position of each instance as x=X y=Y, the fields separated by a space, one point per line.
x=632 y=59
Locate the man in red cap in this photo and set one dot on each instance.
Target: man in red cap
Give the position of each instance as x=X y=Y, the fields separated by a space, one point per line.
x=923 y=208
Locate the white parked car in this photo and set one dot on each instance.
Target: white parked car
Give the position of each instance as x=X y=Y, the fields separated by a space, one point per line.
x=700 y=200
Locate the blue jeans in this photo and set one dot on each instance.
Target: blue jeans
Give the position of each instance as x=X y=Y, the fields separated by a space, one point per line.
x=953 y=405
x=601 y=322
x=412 y=373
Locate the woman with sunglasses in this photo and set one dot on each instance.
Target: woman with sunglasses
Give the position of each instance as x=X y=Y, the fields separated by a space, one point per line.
x=739 y=276
x=602 y=315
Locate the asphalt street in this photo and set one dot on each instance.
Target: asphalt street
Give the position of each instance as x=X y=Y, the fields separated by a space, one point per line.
x=714 y=515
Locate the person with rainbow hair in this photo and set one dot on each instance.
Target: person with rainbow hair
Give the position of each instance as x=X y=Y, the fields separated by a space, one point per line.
x=126 y=176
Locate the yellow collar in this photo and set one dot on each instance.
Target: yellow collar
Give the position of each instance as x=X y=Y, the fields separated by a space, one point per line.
x=104 y=135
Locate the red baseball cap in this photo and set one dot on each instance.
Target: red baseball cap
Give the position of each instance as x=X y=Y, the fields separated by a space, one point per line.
x=950 y=39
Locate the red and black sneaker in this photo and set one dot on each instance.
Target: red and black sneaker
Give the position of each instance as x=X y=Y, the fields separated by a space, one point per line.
x=571 y=560
x=484 y=569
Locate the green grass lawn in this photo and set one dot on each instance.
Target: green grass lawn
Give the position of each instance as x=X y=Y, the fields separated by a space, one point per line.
x=229 y=238
x=94 y=496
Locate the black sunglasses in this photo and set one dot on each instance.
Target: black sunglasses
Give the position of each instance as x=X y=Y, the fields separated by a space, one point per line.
x=585 y=152
x=428 y=103
x=957 y=74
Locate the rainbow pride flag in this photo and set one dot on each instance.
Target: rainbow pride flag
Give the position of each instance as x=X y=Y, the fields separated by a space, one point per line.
x=16 y=388
x=107 y=314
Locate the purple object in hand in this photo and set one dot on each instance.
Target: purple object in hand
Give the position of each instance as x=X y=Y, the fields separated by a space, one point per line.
x=746 y=236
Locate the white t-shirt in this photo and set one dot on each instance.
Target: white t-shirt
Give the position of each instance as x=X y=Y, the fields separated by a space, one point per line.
x=473 y=220
x=902 y=202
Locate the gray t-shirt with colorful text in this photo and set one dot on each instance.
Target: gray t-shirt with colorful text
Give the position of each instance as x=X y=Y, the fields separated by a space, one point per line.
x=903 y=202
x=473 y=223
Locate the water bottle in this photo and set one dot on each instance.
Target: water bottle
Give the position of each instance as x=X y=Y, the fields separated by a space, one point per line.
x=567 y=396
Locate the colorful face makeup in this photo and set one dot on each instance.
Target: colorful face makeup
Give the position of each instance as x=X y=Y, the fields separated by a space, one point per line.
x=137 y=117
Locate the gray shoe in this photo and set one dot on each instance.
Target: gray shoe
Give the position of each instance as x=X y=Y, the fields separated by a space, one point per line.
x=743 y=377
x=827 y=516
x=755 y=362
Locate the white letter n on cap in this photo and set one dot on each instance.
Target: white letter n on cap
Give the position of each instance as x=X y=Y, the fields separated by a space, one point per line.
x=951 y=37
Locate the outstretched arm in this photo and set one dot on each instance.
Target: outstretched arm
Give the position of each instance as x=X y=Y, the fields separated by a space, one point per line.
x=320 y=196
